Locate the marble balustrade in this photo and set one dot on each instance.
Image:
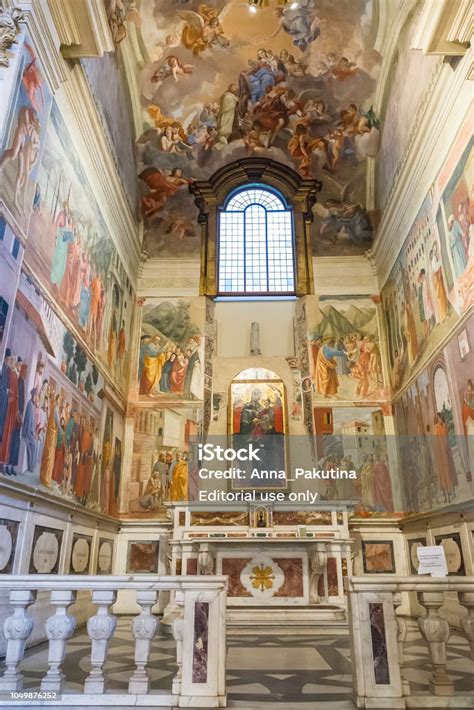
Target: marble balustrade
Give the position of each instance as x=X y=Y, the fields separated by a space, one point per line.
x=377 y=636
x=199 y=629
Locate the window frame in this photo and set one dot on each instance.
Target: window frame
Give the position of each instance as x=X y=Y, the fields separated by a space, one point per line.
x=287 y=209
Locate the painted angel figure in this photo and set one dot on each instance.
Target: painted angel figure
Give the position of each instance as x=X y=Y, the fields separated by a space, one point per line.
x=162 y=184
x=203 y=29
x=299 y=22
x=171 y=41
x=171 y=67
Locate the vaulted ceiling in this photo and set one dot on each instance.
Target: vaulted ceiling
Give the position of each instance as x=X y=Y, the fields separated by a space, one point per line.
x=226 y=80
x=306 y=83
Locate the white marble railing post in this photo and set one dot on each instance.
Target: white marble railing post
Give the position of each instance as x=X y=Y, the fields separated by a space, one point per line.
x=17 y=629
x=178 y=634
x=366 y=594
x=466 y=599
x=203 y=648
x=368 y=690
x=435 y=631
x=401 y=638
x=100 y=629
x=59 y=628
x=144 y=628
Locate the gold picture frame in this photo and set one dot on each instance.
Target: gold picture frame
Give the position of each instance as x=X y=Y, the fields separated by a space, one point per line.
x=258 y=415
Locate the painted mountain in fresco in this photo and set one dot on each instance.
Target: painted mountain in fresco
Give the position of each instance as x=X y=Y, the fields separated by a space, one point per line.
x=345 y=331
x=294 y=84
x=337 y=323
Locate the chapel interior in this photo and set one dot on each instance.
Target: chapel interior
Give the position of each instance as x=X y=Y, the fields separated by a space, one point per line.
x=240 y=223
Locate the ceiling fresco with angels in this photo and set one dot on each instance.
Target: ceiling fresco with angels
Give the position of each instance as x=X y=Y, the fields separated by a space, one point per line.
x=293 y=82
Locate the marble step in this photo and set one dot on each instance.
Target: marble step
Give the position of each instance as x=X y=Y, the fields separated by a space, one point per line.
x=286 y=620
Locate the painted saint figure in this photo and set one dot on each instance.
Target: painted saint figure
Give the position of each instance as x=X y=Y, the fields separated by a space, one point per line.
x=29 y=429
x=64 y=226
x=447 y=477
x=325 y=380
x=179 y=478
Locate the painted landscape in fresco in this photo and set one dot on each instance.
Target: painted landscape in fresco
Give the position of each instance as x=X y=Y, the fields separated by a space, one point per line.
x=353 y=438
x=160 y=463
x=431 y=284
x=344 y=351
x=20 y=152
x=172 y=350
x=70 y=251
x=293 y=83
x=51 y=432
x=435 y=420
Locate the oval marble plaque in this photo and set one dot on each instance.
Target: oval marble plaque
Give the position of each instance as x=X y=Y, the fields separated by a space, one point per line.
x=104 y=560
x=453 y=555
x=80 y=555
x=46 y=553
x=6 y=545
x=413 y=556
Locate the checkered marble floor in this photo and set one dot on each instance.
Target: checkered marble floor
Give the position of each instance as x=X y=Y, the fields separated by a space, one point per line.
x=262 y=672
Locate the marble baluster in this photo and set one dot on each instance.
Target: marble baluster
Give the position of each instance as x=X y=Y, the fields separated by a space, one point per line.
x=317 y=560
x=172 y=609
x=466 y=599
x=401 y=638
x=178 y=634
x=100 y=629
x=17 y=629
x=205 y=564
x=435 y=631
x=59 y=628
x=144 y=628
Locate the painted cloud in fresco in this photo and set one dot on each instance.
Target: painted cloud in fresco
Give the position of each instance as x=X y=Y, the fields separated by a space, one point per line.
x=294 y=85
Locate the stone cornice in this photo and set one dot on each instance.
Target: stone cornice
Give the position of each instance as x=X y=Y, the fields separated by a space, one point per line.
x=445 y=27
x=82 y=27
x=46 y=40
x=134 y=61
x=19 y=495
x=462 y=27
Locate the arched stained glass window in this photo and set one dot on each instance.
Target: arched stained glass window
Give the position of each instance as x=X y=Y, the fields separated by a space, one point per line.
x=256 y=245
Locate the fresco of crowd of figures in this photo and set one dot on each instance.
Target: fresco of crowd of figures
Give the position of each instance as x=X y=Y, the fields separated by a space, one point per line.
x=66 y=306
x=302 y=95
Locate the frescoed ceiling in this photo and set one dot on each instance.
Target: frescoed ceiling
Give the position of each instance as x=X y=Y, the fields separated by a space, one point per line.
x=224 y=80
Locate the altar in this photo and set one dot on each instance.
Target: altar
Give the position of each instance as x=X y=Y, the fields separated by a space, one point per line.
x=284 y=566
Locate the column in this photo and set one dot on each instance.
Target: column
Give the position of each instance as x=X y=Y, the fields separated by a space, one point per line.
x=59 y=628
x=466 y=599
x=17 y=629
x=435 y=631
x=100 y=629
x=144 y=628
